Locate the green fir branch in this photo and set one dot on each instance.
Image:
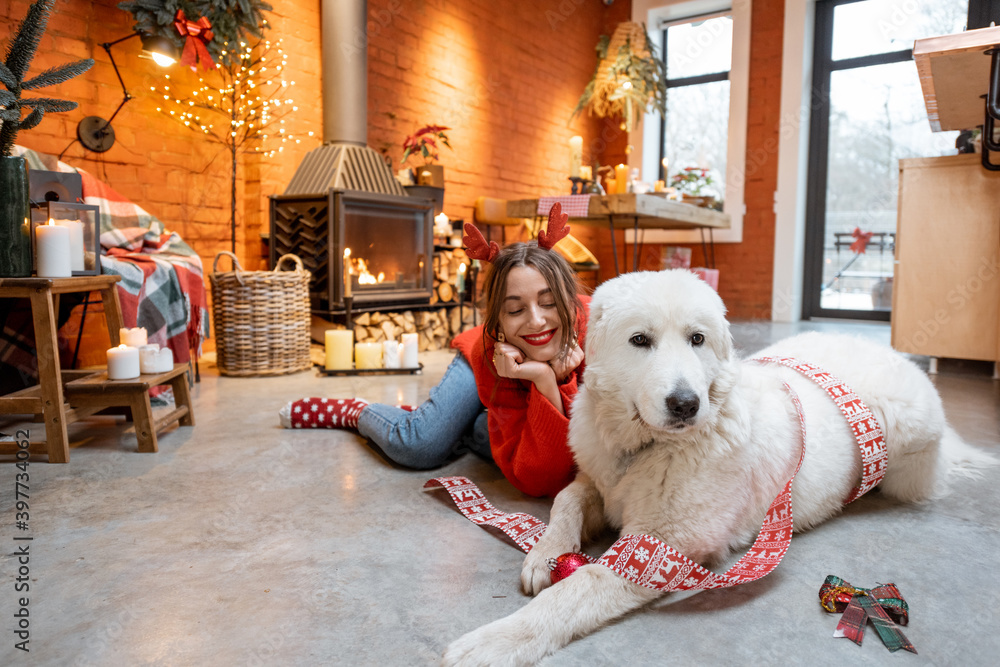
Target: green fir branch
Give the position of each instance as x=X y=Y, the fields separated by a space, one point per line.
x=26 y=38
x=56 y=75
x=33 y=119
x=48 y=104
x=19 y=54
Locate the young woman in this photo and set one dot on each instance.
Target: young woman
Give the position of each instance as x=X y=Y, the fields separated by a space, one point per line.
x=506 y=395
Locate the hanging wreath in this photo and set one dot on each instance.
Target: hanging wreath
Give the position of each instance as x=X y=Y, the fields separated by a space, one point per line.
x=629 y=79
x=200 y=28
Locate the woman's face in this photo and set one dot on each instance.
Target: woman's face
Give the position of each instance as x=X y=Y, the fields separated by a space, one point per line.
x=528 y=315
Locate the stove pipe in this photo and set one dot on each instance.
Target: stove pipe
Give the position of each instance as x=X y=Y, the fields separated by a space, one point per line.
x=344 y=161
x=345 y=71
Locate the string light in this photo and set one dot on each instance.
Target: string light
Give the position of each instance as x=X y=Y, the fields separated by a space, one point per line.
x=250 y=95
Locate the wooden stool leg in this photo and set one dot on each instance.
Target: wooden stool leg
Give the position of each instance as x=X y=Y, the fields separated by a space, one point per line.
x=182 y=396
x=142 y=415
x=49 y=375
x=112 y=313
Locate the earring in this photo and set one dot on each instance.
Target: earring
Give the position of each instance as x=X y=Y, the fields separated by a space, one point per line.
x=501 y=337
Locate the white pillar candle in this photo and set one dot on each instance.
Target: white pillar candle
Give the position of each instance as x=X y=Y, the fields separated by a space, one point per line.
x=339 y=349
x=164 y=360
x=52 y=249
x=575 y=154
x=75 y=228
x=135 y=337
x=123 y=363
x=148 y=355
x=367 y=355
x=410 y=350
x=392 y=350
x=587 y=172
x=460 y=284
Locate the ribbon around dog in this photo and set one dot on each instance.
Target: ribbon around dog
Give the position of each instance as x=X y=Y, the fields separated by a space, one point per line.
x=865 y=427
x=644 y=559
x=198 y=33
x=859 y=605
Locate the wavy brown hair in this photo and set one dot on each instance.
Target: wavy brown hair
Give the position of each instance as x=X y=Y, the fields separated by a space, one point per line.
x=558 y=275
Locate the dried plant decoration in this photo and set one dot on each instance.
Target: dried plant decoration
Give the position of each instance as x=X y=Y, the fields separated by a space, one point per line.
x=629 y=79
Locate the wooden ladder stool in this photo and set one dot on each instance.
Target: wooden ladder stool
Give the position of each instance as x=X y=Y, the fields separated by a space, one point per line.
x=96 y=390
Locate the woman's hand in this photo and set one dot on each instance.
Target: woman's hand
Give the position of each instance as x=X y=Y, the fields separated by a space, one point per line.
x=564 y=365
x=511 y=363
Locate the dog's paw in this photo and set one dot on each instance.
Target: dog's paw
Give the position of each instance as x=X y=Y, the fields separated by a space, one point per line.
x=508 y=642
x=536 y=575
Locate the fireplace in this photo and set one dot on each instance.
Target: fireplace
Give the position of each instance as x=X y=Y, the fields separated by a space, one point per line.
x=344 y=194
x=389 y=238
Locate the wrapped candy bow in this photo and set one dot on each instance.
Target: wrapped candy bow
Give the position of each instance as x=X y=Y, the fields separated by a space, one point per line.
x=199 y=34
x=861 y=604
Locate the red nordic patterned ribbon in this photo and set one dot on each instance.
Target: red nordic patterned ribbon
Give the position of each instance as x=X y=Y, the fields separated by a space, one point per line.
x=865 y=427
x=648 y=561
x=644 y=559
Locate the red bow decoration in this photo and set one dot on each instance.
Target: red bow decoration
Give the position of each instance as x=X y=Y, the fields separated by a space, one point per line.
x=477 y=246
x=198 y=33
x=860 y=605
x=557 y=228
x=861 y=240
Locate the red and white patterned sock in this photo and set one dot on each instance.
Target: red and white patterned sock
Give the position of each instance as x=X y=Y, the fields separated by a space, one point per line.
x=322 y=413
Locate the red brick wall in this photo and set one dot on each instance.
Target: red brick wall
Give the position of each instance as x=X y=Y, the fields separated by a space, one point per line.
x=505 y=81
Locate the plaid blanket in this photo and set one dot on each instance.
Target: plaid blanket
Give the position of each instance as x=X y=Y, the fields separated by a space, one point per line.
x=162 y=287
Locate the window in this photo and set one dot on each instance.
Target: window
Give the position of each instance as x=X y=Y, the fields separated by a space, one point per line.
x=868 y=113
x=705 y=47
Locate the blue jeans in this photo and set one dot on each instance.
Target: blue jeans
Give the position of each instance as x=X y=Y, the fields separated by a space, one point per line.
x=450 y=420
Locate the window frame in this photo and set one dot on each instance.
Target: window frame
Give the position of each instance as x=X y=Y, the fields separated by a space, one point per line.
x=647 y=138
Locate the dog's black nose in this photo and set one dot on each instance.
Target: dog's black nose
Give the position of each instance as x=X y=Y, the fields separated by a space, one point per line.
x=683 y=404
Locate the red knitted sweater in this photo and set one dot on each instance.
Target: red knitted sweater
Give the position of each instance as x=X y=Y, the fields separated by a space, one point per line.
x=528 y=435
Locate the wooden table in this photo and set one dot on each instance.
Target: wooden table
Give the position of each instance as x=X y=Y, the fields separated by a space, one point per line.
x=89 y=391
x=635 y=212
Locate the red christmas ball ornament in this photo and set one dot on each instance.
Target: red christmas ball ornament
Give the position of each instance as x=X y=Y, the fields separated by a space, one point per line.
x=565 y=565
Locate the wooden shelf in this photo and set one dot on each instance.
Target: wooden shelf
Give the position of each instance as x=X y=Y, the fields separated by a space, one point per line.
x=954 y=75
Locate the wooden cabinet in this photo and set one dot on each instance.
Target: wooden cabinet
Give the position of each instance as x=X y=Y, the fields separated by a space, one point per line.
x=946 y=291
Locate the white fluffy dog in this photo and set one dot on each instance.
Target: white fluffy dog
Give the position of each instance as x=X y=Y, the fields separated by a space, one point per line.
x=676 y=438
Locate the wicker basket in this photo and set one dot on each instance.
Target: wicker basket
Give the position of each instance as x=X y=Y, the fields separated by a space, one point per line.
x=261 y=319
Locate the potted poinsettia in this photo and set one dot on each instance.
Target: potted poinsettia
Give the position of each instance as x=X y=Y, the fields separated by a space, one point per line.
x=424 y=142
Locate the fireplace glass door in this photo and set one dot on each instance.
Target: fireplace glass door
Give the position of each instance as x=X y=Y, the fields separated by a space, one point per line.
x=389 y=239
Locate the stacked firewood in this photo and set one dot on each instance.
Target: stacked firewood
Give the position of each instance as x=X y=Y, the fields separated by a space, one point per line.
x=446 y=268
x=435 y=328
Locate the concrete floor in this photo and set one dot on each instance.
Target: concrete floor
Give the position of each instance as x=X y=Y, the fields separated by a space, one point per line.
x=240 y=543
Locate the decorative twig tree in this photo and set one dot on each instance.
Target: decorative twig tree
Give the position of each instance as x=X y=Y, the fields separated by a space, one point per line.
x=244 y=110
x=20 y=52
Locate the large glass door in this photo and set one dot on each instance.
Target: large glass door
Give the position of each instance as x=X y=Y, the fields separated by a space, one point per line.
x=868 y=113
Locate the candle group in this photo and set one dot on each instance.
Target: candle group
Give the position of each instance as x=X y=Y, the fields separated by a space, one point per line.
x=341 y=350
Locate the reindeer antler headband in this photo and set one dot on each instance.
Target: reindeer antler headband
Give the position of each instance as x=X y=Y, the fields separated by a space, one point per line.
x=557 y=229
